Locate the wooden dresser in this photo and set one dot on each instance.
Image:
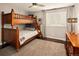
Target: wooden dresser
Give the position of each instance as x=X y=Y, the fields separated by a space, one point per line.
x=72 y=44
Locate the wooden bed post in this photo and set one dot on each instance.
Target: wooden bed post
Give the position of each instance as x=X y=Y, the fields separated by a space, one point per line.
x=17 y=40
x=17 y=31
x=12 y=16
x=2 y=29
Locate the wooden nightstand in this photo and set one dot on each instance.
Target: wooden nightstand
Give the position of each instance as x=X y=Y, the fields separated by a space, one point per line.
x=72 y=44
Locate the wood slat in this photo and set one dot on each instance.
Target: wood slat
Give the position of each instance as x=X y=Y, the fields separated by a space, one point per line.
x=19 y=16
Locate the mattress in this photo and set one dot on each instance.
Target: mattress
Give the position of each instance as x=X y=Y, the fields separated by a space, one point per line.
x=25 y=35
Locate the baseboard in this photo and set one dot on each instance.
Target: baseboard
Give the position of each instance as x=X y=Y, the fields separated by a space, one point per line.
x=54 y=40
x=59 y=38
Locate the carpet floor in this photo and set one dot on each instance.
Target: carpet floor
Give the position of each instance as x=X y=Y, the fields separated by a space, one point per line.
x=36 y=47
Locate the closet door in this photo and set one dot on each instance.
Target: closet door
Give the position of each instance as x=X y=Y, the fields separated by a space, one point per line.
x=56 y=24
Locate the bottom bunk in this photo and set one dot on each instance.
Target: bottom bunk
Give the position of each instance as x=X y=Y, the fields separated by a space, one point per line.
x=17 y=37
x=25 y=35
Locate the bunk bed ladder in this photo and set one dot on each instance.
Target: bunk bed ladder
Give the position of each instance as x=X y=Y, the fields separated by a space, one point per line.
x=37 y=27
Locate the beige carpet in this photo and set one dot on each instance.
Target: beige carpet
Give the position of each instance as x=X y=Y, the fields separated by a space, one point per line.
x=36 y=47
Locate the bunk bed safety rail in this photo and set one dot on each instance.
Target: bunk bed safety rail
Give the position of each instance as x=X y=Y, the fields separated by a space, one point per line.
x=19 y=16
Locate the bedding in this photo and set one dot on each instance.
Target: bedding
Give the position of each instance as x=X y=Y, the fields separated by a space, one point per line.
x=31 y=29
x=25 y=35
x=14 y=27
x=29 y=25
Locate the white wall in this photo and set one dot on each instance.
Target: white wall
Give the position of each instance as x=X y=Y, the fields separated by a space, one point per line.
x=71 y=13
x=7 y=9
x=76 y=10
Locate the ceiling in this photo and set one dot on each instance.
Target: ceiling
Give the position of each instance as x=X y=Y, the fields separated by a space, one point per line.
x=25 y=6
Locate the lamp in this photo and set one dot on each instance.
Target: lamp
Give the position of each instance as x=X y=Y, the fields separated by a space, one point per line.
x=72 y=21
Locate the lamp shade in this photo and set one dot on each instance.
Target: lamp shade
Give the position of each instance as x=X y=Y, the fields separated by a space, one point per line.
x=72 y=20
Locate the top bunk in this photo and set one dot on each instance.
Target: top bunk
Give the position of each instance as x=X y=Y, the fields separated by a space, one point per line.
x=14 y=18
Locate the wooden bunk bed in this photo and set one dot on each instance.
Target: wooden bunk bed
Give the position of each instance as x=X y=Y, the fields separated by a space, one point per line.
x=12 y=35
